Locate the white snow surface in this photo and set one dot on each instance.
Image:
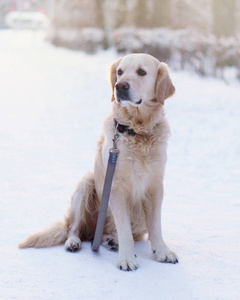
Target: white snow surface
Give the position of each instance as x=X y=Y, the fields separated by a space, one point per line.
x=52 y=104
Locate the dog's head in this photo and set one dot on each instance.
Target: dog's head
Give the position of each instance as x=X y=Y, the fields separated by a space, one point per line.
x=140 y=78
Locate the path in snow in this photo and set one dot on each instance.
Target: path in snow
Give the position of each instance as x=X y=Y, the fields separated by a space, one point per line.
x=52 y=103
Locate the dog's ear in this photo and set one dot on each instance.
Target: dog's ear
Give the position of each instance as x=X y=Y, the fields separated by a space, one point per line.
x=113 y=76
x=164 y=86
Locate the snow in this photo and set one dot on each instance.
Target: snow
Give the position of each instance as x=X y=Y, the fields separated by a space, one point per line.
x=52 y=103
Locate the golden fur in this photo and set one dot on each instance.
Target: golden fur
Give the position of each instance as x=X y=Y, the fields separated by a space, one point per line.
x=137 y=190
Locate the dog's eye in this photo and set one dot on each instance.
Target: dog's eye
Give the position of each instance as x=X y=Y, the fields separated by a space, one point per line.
x=141 y=72
x=120 y=72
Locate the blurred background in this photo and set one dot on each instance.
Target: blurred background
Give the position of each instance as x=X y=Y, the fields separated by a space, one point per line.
x=202 y=35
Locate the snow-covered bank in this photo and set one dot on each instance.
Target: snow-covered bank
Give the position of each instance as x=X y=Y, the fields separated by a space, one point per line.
x=52 y=103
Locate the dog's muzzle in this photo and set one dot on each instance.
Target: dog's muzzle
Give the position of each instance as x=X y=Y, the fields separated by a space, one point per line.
x=123 y=94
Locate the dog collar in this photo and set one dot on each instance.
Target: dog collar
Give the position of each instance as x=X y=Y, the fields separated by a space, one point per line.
x=123 y=128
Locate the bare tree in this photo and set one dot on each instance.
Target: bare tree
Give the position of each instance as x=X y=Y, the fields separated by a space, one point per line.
x=161 y=15
x=120 y=14
x=224 y=18
x=141 y=14
x=100 y=16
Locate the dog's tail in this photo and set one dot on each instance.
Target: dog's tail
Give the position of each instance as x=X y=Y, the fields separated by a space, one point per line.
x=81 y=216
x=53 y=235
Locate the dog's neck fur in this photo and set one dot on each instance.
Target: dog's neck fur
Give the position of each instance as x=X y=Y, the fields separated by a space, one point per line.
x=138 y=118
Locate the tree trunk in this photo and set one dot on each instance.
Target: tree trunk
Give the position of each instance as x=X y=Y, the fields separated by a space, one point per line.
x=141 y=14
x=121 y=13
x=161 y=16
x=100 y=16
x=224 y=19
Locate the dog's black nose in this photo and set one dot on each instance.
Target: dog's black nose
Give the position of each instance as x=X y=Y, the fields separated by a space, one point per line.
x=122 y=86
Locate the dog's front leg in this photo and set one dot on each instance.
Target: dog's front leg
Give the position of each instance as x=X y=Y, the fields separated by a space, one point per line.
x=126 y=257
x=160 y=250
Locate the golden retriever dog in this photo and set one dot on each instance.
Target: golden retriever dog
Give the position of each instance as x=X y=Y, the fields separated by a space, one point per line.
x=140 y=85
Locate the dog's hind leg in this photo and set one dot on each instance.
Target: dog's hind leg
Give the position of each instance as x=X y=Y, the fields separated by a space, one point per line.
x=82 y=215
x=110 y=241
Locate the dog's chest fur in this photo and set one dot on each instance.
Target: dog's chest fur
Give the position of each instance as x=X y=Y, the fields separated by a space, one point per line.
x=143 y=156
x=141 y=160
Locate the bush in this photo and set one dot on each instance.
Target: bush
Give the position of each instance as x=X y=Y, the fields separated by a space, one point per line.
x=88 y=39
x=182 y=48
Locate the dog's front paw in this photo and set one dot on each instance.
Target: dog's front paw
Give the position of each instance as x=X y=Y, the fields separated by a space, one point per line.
x=165 y=256
x=127 y=263
x=73 y=244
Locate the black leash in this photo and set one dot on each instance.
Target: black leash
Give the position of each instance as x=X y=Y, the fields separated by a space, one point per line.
x=113 y=154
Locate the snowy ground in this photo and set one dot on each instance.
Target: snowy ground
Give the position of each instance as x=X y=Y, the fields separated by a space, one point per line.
x=52 y=103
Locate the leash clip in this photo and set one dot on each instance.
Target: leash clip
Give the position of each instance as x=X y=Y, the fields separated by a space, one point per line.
x=115 y=139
